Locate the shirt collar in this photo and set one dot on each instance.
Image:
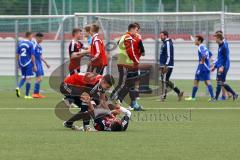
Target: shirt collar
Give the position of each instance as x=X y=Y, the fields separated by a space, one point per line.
x=166 y=40
x=96 y=34
x=221 y=44
x=129 y=34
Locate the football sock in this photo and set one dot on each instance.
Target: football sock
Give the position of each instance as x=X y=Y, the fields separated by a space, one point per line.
x=36 y=87
x=28 y=86
x=21 y=83
x=176 y=90
x=194 y=91
x=84 y=109
x=210 y=89
x=80 y=115
x=223 y=97
x=218 y=90
x=229 y=89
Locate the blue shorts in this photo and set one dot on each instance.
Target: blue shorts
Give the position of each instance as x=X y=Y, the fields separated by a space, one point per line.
x=202 y=75
x=39 y=71
x=27 y=71
x=221 y=77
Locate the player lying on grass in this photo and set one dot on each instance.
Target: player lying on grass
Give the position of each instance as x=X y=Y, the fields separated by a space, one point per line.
x=222 y=64
x=203 y=69
x=39 y=59
x=94 y=84
x=104 y=116
x=26 y=60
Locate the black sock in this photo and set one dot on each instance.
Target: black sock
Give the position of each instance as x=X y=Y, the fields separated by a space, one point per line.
x=229 y=89
x=176 y=90
x=218 y=90
x=80 y=115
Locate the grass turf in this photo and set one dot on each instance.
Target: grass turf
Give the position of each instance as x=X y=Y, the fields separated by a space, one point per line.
x=36 y=133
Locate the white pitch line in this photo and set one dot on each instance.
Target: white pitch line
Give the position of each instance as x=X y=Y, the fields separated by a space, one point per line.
x=204 y=108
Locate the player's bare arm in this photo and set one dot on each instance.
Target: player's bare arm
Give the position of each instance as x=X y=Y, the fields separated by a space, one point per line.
x=34 y=63
x=79 y=54
x=45 y=62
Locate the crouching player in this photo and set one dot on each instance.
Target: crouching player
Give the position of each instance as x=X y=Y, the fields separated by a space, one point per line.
x=203 y=69
x=39 y=59
x=104 y=118
x=94 y=84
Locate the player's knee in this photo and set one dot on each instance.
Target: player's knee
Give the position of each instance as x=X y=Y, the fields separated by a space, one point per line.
x=170 y=84
x=220 y=83
x=39 y=79
x=28 y=79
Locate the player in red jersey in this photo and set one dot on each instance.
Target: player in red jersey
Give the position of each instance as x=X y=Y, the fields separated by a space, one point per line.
x=94 y=84
x=76 y=51
x=128 y=63
x=99 y=57
x=105 y=118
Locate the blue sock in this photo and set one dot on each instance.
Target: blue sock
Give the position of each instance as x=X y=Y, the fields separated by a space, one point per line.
x=133 y=103
x=223 y=97
x=218 y=90
x=210 y=89
x=36 y=87
x=229 y=89
x=28 y=86
x=21 y=83
x=194 y=91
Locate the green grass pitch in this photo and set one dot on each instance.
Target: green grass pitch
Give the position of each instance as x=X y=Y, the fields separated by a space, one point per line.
x=180 y=133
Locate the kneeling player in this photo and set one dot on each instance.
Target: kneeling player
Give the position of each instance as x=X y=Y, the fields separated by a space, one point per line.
x=94 y=84
x=104 y=118
x=203 y=70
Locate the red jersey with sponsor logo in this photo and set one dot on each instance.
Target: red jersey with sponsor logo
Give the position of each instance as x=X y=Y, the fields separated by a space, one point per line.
x=74 y=46
x=83 y=79
x=131 y=43
x=99 y=57
x=104 y=123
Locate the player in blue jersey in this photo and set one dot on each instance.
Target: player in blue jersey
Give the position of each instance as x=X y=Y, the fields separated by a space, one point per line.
x=203 y=69
x=39 y=59
x=222 y=64
x=225 y=94
x=26 y=59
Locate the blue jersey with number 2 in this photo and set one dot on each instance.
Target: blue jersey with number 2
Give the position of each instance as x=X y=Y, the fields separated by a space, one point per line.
x=25 y=51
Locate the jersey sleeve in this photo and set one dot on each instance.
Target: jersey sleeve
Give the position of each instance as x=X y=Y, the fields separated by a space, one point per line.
x=130 y=49
x=71 y=48
x=222 y=58
x=224 y=55
x=32 y=49
x=142 y=49
x=168 y=53
x=97 y=47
